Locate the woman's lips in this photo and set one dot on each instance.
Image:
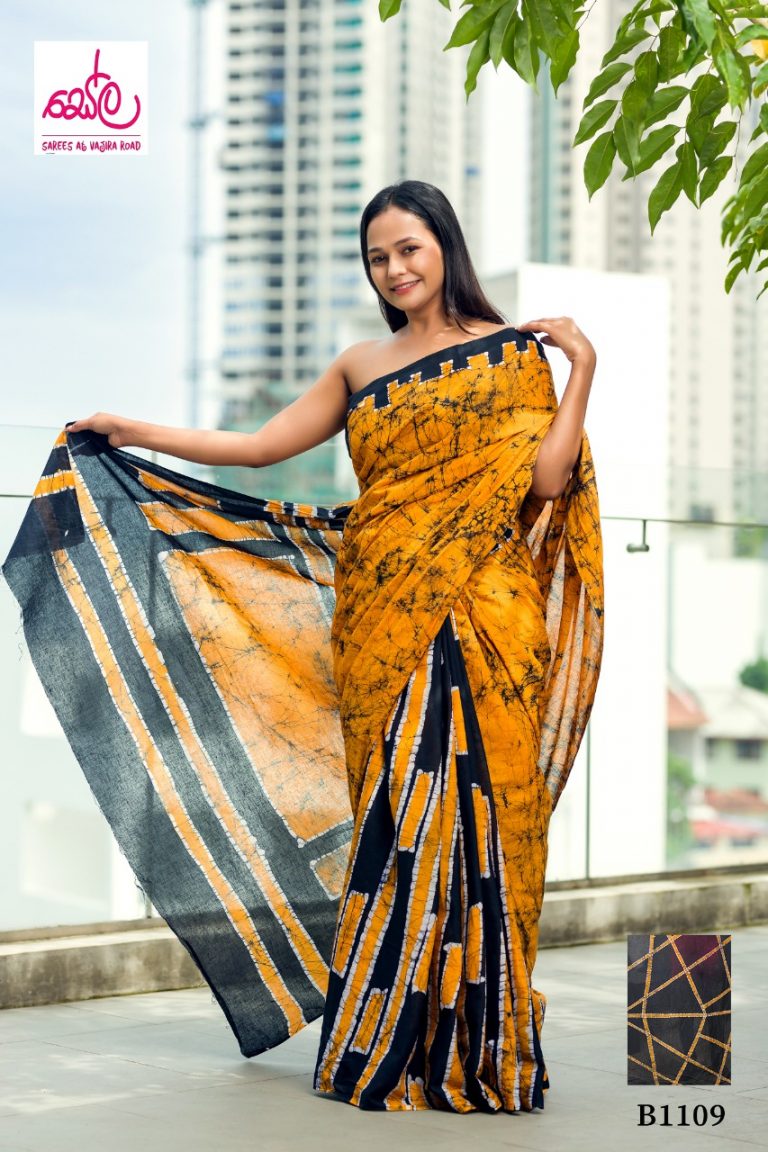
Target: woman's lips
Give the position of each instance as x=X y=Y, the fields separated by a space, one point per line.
x=404 y=287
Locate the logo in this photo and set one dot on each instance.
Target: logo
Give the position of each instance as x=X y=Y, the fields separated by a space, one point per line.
x=91 y=97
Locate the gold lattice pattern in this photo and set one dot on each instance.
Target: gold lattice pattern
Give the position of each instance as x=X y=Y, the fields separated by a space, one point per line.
x=679 y=1009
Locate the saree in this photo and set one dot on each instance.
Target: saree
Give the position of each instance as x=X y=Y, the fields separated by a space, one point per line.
x=329 y=741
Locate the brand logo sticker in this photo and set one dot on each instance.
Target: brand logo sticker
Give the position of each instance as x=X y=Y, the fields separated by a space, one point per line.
x=91 y=97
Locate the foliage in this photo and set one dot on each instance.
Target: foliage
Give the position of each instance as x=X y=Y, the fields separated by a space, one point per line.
x=755 y=675
x=750 y=541
x=680 y=781
x=644 y=79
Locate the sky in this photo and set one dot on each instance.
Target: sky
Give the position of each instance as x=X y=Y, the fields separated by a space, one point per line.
x=93 y=278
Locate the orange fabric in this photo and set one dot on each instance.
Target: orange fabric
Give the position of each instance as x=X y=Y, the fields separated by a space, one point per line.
x=443 y=473
x=466 y=639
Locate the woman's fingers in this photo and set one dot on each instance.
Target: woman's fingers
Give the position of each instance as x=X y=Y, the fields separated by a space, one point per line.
x=561 y=332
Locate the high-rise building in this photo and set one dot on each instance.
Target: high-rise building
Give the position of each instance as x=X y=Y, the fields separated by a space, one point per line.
x=325 y=105
x=718 y=446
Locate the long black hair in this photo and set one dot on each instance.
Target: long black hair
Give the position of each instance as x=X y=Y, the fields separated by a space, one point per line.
x=463 y=298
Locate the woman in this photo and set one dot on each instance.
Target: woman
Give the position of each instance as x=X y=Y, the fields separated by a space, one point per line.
x=466 y=642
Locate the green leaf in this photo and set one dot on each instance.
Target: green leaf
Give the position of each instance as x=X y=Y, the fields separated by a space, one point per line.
x=756 y=161
x=633 y=102
x=627 y=136
x=504 y=17
x=731 y=276
x=598 y=162
x=671 y=41
x=755 y=196
x=663 y=102
x=729 y=65
x=624 y=43
x=708 y=94
x=628 y=20
x=760 y=80
x=641 y=11
x=698 y=128
x=593 y=119
x=473 y=22
x=653 y=147
x=564 y=58
x=715 y=141
x=479 y=55
x=526 y=54
x=646 y=72
x=686 y=156
x=751 y=32
x=547 y=24
x=445 y=4
x=568 y=11
x=694 y=52
x=605 y=80
x=713 y=176
x=657 y=9
x=388 y=8
x=700 y=13
x=663 y=196
x=728 y=213
x=764 y=117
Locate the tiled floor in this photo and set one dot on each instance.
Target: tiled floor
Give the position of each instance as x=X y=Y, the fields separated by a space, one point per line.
x=162 y=1073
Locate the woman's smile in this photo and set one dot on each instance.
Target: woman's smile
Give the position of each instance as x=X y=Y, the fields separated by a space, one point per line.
x=404 y=287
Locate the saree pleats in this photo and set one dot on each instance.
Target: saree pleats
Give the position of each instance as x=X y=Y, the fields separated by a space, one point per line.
x=330 y=740
x=429 y=1001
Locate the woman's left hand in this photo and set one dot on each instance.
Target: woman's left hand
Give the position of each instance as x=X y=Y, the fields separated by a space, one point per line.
x=563 y=333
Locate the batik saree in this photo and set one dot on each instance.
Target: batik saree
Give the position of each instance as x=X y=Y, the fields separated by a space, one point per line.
x=330 y=740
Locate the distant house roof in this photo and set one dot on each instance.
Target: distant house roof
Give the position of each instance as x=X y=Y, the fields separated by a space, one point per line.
x=735 y=712
x=683 y=709
x=741 y=800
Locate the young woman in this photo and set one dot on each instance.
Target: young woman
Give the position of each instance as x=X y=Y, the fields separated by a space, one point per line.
x=465 y=583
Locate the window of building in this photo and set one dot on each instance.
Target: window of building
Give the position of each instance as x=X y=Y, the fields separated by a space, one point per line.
x=748 y=749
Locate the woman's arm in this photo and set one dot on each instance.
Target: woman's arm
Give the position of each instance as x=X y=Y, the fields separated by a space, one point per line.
x=560 y=448
x=312 y=418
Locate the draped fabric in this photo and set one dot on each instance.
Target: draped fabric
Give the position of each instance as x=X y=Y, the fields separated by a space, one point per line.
x=330 y=740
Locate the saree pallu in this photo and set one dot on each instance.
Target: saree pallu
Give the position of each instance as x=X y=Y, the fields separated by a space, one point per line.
x=330 y=740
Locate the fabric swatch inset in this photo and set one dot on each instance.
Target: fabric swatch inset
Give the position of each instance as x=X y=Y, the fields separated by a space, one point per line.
x=678 y=1009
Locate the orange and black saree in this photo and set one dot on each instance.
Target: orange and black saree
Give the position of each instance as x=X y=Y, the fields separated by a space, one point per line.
x=330 y=741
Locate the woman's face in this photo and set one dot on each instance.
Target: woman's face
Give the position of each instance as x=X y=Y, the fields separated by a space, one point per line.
x=403 y=251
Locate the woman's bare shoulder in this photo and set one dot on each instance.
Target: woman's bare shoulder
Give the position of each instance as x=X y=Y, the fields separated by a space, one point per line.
x=360 y=362
x=368 y=359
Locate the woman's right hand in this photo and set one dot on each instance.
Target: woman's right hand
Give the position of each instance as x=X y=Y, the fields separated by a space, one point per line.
x=115 y=428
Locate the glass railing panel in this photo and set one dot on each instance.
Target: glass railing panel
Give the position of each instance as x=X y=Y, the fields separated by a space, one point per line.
x=59 y=863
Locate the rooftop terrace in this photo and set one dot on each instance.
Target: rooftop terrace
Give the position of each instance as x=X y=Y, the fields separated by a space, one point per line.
x=162 y=1072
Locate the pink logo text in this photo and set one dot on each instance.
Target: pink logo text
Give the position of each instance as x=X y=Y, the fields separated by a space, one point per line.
x=63 y=105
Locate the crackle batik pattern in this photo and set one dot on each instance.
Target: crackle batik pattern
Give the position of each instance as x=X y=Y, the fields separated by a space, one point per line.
x=679 y=1009
x=430 y=1001
x=330 y=740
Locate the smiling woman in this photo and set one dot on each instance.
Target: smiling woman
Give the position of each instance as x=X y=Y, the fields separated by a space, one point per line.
x=330 y=740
